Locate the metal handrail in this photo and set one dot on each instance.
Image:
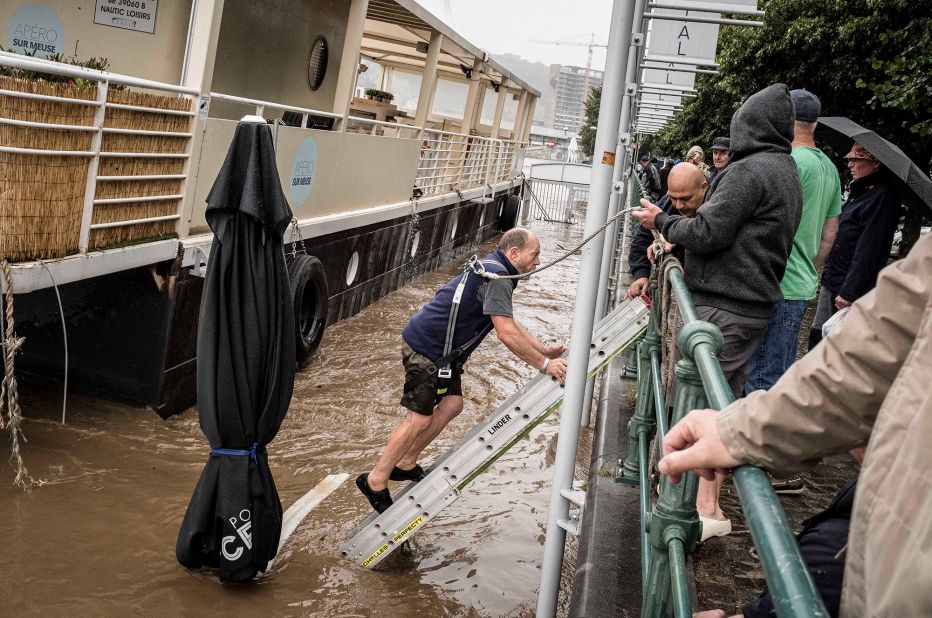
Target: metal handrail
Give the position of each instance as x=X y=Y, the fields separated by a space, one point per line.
x=670 y=530
x=219 y=96
x=42 y=65
x=448 y=162
x=789 y=580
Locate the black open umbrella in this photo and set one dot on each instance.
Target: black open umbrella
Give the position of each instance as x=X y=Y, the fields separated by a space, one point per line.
x=915 y=185
x=245 y=364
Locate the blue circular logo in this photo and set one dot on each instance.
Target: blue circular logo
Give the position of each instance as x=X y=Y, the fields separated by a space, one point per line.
x=303 y=171
x=35 y=30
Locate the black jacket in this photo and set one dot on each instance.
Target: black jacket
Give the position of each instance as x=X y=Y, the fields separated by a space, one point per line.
x=739 y=241
x=865 y=233
x=664 y=175
x=651 y=179
x=638 y=263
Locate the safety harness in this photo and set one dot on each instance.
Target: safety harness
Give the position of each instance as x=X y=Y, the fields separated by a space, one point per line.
x=443 y=366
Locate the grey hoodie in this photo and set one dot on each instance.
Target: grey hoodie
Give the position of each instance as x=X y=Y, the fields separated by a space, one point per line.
x=738 y=243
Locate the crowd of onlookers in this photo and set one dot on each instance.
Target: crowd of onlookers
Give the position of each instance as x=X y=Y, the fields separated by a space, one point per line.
x=761 y=234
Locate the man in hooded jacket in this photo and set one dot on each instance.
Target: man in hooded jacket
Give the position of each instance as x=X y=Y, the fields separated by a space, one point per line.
x=738 y=244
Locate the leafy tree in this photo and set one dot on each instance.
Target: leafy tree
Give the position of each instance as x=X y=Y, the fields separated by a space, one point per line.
x=865 y=59
x=587 y=134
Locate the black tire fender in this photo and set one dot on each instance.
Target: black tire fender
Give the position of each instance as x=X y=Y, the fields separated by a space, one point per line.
x=310 y=295
x=509 y=216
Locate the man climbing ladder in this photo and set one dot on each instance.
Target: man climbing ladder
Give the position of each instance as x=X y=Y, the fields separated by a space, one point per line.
x=436 y=344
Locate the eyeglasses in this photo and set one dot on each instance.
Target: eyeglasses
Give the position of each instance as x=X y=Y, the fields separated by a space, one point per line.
x=858 y=159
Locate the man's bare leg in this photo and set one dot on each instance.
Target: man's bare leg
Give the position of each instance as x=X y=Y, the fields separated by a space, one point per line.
x=707 y=498
x=444 y=412
x=399 y=443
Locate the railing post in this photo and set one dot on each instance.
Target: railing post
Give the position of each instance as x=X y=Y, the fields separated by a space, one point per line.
x=674 y=520
x=90 y=186
x=643 y=419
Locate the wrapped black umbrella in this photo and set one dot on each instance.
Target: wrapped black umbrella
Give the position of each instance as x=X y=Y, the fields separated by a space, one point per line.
x=245 y=364
x=915 y=185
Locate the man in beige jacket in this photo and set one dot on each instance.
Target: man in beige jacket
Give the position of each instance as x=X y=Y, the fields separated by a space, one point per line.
x=870 y=381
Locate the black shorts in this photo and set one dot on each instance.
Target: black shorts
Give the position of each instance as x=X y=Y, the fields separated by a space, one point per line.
x=422 y=398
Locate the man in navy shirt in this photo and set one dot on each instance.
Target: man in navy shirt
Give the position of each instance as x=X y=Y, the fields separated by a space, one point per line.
x=432 y=397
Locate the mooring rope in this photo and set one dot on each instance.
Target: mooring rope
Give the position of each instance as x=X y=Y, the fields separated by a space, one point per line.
x=9 y=394
x=475 y=265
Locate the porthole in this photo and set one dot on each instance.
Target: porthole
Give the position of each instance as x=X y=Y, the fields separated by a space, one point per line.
x=352 y=268
x=317 y=64
x=415 y=241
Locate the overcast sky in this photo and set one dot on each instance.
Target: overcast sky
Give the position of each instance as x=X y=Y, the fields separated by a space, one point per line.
x=508 y=26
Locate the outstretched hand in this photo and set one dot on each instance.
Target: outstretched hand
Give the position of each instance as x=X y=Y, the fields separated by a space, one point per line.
x=695 y=444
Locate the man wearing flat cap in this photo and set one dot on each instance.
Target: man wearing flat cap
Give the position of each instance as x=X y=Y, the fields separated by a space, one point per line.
x=813 y=240
x=865 y=233
x=720 y=156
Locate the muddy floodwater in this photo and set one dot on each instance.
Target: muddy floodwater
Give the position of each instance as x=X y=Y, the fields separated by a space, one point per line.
x=98 y=536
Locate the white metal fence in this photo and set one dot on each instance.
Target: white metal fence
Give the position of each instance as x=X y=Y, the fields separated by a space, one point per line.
x=557 y=191
x=447 y=161
x=95 y=154
x=453 y=161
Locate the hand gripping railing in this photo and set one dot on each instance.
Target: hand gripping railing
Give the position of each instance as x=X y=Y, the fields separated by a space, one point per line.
x=671 y=529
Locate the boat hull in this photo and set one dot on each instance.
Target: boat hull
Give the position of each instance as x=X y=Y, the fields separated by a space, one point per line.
x=132 y=334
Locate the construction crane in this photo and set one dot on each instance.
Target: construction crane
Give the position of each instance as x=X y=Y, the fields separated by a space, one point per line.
x=591 y=44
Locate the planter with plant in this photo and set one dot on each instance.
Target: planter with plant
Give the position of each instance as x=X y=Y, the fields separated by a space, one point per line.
x=379 y=95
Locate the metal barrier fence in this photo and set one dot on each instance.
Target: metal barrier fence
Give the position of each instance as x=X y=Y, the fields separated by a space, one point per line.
x=670 y=529
x=556 y=201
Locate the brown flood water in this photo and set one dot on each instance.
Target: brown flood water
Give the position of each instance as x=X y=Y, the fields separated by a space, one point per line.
x=98 y=537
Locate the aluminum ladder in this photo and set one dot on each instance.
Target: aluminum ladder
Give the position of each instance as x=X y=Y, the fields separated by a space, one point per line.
x=418 y=503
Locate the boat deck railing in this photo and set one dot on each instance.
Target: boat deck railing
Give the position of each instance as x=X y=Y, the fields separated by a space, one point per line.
x=134 y=204
x=100 y=128
x=447 y=161
x=676 y=339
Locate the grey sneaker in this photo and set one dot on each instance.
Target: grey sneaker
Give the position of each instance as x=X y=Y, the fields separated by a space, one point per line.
x=791 y=486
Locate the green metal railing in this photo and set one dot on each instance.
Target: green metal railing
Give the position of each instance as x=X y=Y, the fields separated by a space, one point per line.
x=671 y=528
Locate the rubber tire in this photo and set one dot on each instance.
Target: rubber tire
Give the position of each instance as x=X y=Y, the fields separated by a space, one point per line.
x=509 y=216
x=310 y=296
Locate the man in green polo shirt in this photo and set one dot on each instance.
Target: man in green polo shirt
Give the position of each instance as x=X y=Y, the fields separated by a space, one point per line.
x=813 y=240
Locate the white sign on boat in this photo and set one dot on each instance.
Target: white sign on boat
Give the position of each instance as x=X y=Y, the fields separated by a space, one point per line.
x=138 y=15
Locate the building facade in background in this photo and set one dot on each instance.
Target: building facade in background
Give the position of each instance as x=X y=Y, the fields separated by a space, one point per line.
x=571 y=86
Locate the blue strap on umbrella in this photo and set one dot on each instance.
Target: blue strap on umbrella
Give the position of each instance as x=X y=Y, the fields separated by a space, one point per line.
x=251 y=453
